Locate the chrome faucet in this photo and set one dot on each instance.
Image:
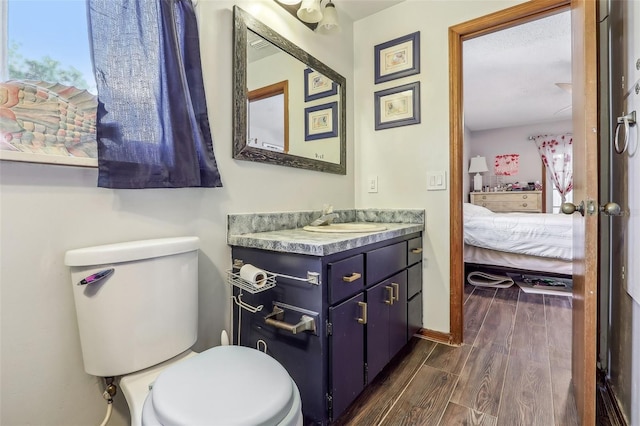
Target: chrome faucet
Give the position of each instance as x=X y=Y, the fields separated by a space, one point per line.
x=327 y=217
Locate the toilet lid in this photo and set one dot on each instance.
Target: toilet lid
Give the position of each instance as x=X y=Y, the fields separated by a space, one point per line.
x=225 y=385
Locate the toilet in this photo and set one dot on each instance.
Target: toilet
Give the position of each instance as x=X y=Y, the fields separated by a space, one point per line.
x=137 y=312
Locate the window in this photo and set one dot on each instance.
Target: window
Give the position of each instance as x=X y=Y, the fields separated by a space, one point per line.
x=48 y=112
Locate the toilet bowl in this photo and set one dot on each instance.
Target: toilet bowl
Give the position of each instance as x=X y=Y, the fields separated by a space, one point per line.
x=225 y=385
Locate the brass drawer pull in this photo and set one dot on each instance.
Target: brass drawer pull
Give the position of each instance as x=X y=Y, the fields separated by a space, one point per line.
x=524 y=204
x=363 y=318
x=389 y=301
x=416 y=250
x=351 y=278
x=397 y=289
x=524 y=197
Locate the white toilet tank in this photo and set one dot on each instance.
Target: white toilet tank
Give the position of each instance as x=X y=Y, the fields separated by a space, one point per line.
x=144 y=312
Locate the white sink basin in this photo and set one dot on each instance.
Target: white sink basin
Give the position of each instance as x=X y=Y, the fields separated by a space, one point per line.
x=346 y=227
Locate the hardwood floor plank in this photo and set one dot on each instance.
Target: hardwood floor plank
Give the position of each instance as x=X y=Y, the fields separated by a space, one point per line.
x=468 y=289
x=527 y=395
x=564 y=404
x=507 y=295
x=480 y=383
x=374 y=402
x=448 y=358
x=531 y=308
x=530 y=342
x=424 y=400
x=497 y=327
x=476 y=308
x=458 y=415
x=558 y=314
x=559 y=357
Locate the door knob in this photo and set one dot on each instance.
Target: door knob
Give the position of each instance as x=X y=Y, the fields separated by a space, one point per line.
x=570 y=208
x=611 y=209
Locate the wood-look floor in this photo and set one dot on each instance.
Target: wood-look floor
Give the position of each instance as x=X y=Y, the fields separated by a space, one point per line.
x=513 y=369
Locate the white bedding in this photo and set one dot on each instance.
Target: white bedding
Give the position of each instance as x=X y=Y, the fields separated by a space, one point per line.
x=535 y=234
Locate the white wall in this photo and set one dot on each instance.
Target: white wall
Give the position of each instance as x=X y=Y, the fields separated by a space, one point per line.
x=514 y=140
x=46 y=210
x=401 y=156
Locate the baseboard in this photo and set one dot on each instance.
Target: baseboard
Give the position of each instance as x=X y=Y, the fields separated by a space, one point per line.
x=437 y=336
x=610 y=406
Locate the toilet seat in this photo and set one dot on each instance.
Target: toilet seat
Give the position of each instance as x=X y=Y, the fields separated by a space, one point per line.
x=225 y=385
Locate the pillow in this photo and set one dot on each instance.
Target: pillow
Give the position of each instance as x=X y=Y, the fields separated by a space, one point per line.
x=469 y=209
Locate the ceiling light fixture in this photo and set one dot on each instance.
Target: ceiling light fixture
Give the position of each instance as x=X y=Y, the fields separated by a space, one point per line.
x=312 y=14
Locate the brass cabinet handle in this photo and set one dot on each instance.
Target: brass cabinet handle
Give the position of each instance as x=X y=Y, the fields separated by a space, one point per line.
x=351 y=278
x=397 y=290
x=363 y=312
x=524 y=204
x=389 y=301
x=484 y=197
x=524 y=197
x=416 y=250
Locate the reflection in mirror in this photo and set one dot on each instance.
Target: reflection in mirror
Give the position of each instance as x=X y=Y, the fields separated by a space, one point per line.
x=289 y=108
x=268 y=117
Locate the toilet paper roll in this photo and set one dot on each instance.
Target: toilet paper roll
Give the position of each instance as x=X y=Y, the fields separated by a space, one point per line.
x=257 y=277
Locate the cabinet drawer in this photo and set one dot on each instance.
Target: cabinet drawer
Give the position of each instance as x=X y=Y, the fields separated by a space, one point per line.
x=515 y=201
x=414 y=254
x=346 y=277
x=385 y=261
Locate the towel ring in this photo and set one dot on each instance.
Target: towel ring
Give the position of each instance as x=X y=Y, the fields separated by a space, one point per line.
x=628 y=121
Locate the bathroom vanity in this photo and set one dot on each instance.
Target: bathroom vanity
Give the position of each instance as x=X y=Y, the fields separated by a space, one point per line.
x=342 y=306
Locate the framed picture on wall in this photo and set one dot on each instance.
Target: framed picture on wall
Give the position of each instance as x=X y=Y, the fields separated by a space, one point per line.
x=317 y=86
x=397 y=58
x=321 y=121
x=398 y=106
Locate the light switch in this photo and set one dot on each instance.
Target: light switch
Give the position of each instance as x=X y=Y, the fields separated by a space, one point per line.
x=372 y=184
x=437 y=180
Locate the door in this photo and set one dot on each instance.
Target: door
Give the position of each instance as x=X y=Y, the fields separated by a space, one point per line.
x=585 y=163
x=585 y=228
x=346 y=348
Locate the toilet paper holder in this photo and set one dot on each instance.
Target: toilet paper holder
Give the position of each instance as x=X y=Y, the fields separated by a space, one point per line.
x=276 y=319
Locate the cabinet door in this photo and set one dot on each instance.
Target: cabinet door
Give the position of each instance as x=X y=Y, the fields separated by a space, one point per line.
x=379 y=299
x=398 y=314
x=346 y=348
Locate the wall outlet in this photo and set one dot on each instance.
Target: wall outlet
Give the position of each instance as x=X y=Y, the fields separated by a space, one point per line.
x=372 y=184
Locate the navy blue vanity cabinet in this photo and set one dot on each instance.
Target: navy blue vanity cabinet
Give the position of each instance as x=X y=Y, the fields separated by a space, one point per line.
x=356 y=331
x=414 y=287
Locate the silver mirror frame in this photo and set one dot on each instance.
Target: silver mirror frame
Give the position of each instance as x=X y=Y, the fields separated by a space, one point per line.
x=244 y=22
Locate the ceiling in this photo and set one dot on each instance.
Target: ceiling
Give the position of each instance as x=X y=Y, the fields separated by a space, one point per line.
x=358 y=9
x=510 y=76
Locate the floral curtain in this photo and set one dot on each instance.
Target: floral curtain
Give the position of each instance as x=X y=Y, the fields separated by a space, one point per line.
x=556 y=153
x=152 y=126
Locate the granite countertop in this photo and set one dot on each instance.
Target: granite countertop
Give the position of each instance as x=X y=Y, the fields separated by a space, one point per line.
x=297 y=240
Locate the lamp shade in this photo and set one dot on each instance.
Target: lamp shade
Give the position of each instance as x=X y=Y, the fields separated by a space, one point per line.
x=478 y=165
x=329 y=23
x=310 y=11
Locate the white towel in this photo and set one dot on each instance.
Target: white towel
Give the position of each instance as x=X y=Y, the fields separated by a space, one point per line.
x=483 y=279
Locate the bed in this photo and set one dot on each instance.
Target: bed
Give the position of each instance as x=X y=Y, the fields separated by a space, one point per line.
x=532 y=242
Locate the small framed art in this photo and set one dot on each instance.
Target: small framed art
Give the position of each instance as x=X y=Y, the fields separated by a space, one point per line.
x=317 y=86
x=321 y=121
x=397 y=58
x=398 y=106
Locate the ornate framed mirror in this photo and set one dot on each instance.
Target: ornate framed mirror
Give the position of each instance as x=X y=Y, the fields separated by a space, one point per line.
x=306 y=126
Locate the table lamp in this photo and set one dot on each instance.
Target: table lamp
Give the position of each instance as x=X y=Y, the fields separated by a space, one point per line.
x=478 y=165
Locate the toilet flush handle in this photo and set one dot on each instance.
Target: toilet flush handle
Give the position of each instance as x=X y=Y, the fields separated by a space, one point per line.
x=97 y=277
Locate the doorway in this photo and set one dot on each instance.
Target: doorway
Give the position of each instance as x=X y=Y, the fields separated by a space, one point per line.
x=585 y=127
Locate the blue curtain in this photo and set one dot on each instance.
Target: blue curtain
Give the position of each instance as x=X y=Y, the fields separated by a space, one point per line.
x=152 y=130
